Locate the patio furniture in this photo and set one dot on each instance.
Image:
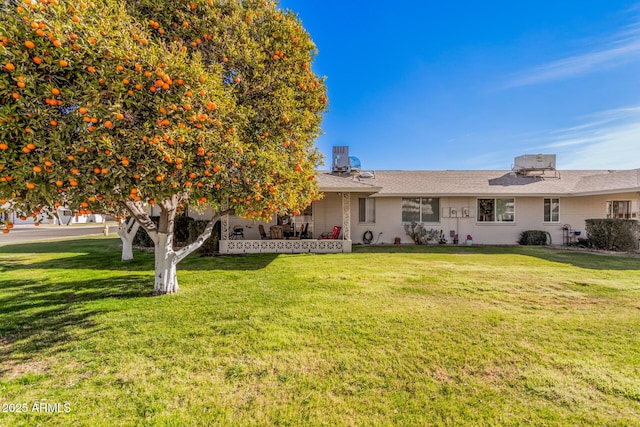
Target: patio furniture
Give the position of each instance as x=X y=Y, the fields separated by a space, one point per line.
x=304 y=231
x=263 y=234
x=335 y=233
x=288 y=231
x=276 y=232
x=237 y=233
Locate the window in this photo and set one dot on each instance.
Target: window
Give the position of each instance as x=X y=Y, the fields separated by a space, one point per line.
x=496 y=210
x=619 y=209
x=367 y=210
x=421 y=210
x=551 y=210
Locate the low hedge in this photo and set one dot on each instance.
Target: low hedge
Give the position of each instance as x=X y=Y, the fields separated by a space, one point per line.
x=613 y=234
x=534 y=238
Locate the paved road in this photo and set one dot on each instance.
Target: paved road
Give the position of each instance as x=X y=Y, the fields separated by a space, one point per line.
x=31 y=233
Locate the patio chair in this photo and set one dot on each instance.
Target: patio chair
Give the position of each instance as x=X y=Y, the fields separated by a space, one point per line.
x=276 y=232
x=263 y=234
x=304 y=231
x=238 y=233
x=335 y=233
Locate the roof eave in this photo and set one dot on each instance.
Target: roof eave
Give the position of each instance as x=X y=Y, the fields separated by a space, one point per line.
x=366 y=190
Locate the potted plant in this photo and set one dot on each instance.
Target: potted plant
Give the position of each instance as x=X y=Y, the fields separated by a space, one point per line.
x=396 y=240
x=469 y=239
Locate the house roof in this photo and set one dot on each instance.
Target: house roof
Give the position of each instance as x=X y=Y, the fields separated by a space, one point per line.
x=346 y=183
x=388 y=183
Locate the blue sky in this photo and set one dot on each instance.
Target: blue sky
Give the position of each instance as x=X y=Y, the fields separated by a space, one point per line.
x=471 y=85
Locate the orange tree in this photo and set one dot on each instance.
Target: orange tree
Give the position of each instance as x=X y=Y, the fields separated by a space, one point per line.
x=111 y=105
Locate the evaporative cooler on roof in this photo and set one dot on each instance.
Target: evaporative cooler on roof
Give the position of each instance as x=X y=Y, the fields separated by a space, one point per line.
x=341 y=161
x=532 y=164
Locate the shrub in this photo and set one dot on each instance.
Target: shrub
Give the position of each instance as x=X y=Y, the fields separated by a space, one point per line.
x=212 y=244
x=181 y=236
x=142 y=238
x=182 y=232
x=419 y=234
x=534 y=237
x=613 y=234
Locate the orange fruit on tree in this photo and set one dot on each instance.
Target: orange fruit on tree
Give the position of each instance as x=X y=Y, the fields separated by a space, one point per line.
x=37 y=169
x=30 y=186
x=63 y=63
x=9 y=66
x=29 y=44
x=55 y=91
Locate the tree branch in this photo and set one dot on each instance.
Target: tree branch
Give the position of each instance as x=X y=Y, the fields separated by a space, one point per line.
x=182 y=253
x=141 y=216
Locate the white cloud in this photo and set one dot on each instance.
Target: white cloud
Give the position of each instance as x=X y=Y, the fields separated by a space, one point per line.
x=605 y=140
x=621 y=49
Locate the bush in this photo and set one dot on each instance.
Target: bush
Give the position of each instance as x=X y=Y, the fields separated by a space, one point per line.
x=212 y=244
x=534 y=237
x=419 y=234
x=142 y=238
x=186 y=230
x=613 y=234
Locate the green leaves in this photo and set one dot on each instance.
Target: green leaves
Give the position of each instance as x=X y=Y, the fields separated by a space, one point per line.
x=216 y=101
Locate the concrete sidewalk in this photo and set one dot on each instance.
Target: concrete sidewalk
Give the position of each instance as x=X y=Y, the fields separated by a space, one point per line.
x=32 y=233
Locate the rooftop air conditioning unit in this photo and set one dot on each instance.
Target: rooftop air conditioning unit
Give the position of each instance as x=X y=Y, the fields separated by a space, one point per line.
x=341 y=162
x=534 y=163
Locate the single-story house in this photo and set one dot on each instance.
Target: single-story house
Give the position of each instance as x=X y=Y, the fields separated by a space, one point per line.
x=490 y=206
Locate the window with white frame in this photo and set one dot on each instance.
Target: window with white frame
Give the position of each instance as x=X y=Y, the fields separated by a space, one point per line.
x=421 y=209
x=367 y=210
x=619 y=209
x=496 y=210
x=551 y=210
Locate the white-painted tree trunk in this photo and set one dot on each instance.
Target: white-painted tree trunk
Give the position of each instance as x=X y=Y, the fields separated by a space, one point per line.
x=166 y=277
x=127 y=232
x=166 y=258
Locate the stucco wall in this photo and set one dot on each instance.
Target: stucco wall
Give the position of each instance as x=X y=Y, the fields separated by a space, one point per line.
x=529 y=216
x=327 y=213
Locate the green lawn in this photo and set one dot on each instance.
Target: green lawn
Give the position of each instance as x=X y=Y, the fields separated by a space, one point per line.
x=383 y=336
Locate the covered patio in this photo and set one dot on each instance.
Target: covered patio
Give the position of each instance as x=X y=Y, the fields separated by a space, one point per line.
x=333 y=210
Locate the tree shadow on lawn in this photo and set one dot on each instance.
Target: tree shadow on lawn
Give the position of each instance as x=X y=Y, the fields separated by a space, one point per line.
x=581 y=259
x=40 y=317
x=104 y=254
